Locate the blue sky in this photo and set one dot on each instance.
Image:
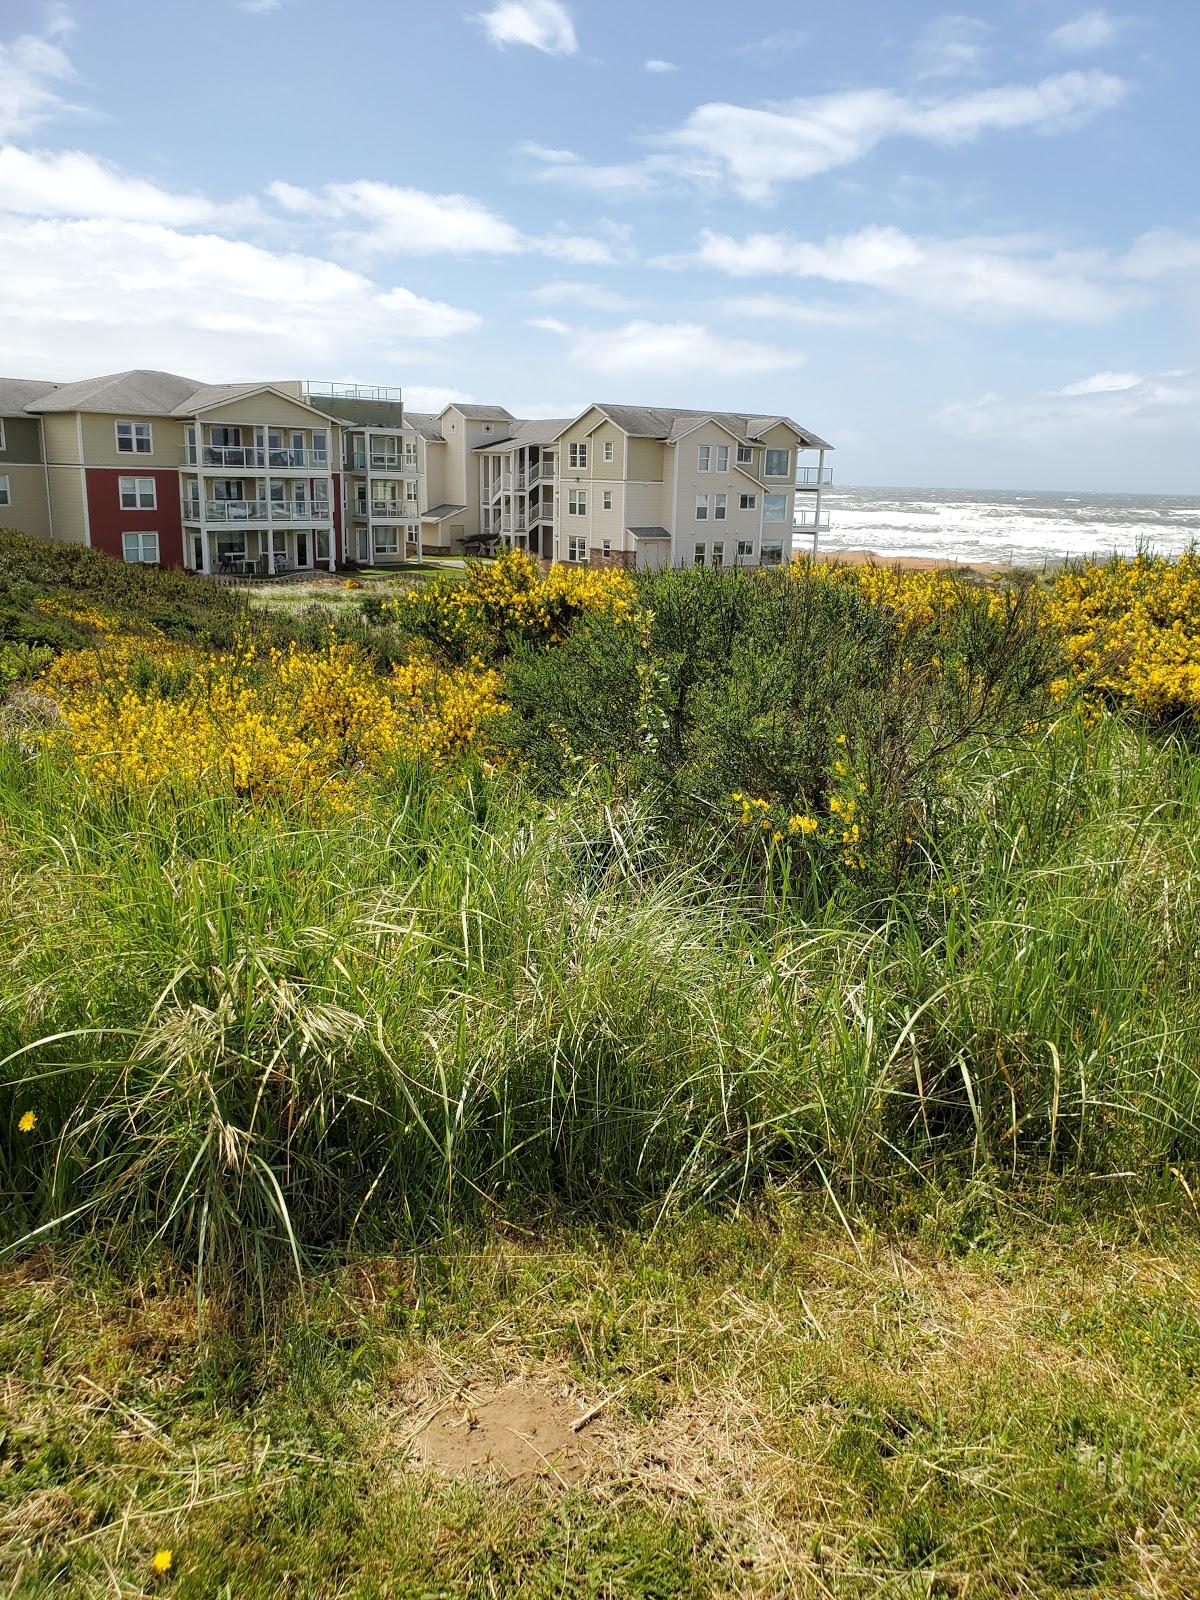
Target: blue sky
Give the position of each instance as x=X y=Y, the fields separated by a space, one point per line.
x=962 y=244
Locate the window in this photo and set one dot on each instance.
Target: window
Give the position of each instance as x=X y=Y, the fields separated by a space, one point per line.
x=747 y=502
x=745 y=549
x=772 y=553
x=577 y=503
x=608 y=499
x=134 y=438
x=699 y=556
x=387 y=541
x=577 y=455
x=138 y=494
x=722 y=458
x=703 y=457
x=609 y=450
x=718 y=559
x=778 y=462
x=487 y=427
x=140 y=547
x=774 y=508
x=576 y=547
x=701 y=508
x=3 y=446
x=606 y=548
x=745 y=455
x=5 y=492
x=719 y=510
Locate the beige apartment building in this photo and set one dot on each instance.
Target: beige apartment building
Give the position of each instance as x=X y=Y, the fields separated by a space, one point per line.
x=263 y=478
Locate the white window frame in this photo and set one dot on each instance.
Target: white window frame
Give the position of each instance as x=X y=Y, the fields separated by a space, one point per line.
x=701 y=508
x=748 y=502
x=769 y=510
x=610 y=450
x=140 y=536
x=722 y=458
x=3 y=446
x=718 y=554
x=721 y=508
x=787 y=463
x=773 y=547
x=577 y=502
x=137 y=490
x=381 y=549
x=577 y=457
x=745 y=550
x=700 y=554
x=577 y=550
x=608 y=499
x=136 y=432
x=745 y=455
x=5 y=490
x=606 y=548
x=704 y=458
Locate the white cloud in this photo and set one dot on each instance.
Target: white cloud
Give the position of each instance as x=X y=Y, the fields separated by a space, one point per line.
x=385 y=219
x=755 y=149
x=72 y=183
x=804 y=313
x=1094 y=412
x=774 y=43
x=260 y=8
x=544 y=24
x=662 y=352
x=974 y=277
x=656 y=64
x=401 y=221
x=592 y=296
x=951 y=46
x=433 y=397
x=1103 y=383
x=1161 y=253
x=1091 y=30
x=615 y=178
x=100 y=295
x=34 y=72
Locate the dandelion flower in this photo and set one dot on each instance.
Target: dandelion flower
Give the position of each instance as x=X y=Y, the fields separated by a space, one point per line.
x=28 y=1122
x=162 y=1561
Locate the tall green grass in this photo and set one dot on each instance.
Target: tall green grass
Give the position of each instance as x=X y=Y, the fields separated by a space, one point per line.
x=258 y=1036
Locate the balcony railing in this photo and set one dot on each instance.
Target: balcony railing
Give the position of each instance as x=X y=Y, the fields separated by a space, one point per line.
x=257 y=511
x=253 y=455
x=382 y=461
x=810 y=522
x=813 y=477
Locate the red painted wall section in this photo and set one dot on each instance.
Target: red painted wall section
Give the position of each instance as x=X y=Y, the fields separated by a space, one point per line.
x=107 y=519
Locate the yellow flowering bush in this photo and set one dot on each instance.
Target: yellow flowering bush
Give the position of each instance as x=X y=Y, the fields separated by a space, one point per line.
x=285 y=724
x=512 y=595
x=1131 y=632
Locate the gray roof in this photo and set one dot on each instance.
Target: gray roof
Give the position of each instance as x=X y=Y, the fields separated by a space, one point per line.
x=478 y=413
x=424 y=423
x=671 y=423
x=440 y=513
x=353 y=412
x=648 y=533
x=143 y=392
x=539 y=430
x=16 y=393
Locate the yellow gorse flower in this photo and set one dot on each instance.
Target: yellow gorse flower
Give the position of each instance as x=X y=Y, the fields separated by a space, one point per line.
x=162 y=1561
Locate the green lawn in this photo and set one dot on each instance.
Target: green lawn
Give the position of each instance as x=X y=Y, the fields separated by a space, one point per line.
x=972 y=1403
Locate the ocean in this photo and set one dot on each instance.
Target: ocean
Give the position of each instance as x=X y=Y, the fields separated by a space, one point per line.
x=1005 y=526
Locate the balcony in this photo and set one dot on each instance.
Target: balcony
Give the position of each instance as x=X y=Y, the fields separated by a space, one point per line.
x=381 y=461
x=813 y=477
x=390 y=508
x=810 y=522
x=247 y=511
